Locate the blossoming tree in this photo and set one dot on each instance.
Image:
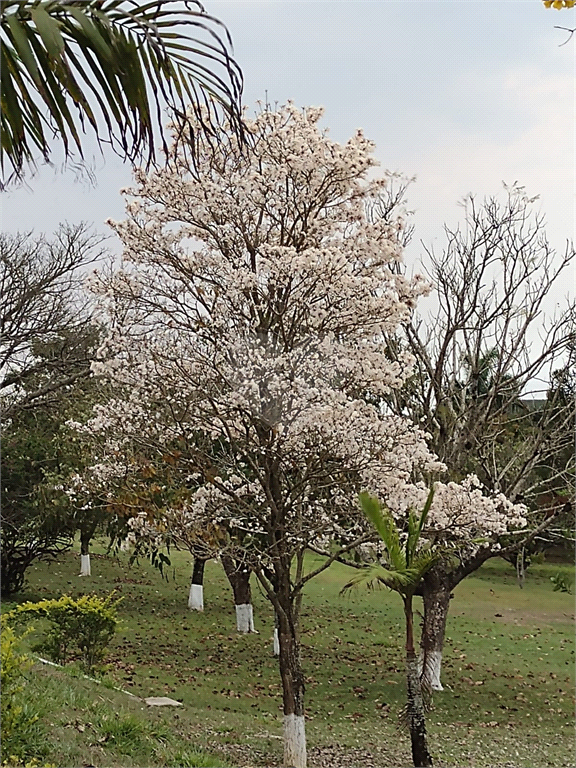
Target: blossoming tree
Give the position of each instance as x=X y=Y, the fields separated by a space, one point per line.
x=246 y=332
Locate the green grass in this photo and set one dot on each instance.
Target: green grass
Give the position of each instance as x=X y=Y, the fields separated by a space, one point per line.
x=508 y=673
x=83 y=723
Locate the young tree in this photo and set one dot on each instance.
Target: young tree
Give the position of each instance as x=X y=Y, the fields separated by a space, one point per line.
x=118 y=63
x=476 y=373
x=402 y=568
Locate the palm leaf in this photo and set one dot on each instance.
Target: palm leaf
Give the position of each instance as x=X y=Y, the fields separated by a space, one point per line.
x=415 y=527
x=395 y=580
x=49 y=31
x=385 y=526
x=119 y=63
x=424 y=561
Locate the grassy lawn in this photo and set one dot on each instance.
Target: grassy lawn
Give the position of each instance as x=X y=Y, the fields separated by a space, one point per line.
x=508 y=673
x=86 y=724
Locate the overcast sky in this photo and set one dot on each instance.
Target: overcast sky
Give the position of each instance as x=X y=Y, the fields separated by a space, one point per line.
x=462 y=94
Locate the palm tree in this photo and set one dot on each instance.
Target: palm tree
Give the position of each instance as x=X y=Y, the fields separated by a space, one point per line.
x=402 y=571
x=110 y=65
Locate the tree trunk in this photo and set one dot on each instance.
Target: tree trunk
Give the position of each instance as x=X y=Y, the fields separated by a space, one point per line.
x=420 y=755
x=436 y=598
x=276 y=638
x=435 y=589
x=239 y=579
x=196 y=596
x=292 y=690
x=85 y=538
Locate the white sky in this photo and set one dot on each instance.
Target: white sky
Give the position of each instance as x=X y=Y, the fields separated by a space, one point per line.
x=464 y=94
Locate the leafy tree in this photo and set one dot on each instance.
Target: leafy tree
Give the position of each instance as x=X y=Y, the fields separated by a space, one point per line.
x=110 y=65
x=38 y=455
x=48 y=343
x=402 y=570
x=31 y=527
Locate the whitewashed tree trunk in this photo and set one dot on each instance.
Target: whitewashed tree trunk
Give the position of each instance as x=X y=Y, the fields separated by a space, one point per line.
x=294 y=741
x=436 y=599
x=196 y=597
x=86 y=534
x=245 y=618
x=276 y=642
x=433 y=669
x=292 y=682
x=239 y=578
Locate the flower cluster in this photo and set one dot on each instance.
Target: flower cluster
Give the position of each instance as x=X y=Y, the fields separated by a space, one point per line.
x=463 y=511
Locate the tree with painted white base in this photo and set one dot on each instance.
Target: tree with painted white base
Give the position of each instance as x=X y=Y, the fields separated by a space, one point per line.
x=85 y=569
x=438 y=583
x=239 y=577
x=502 y=327
x=87 y=531
x=196 y=595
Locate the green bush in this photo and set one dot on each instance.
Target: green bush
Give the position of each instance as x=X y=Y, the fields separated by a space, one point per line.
x=79 y=628
x=561 y=583
x=17 y=722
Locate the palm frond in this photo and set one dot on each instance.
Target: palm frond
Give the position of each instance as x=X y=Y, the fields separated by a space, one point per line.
x=415 y=527
x=424 y=560
x=385 y=526
x=376 y=573
x=412 y=541
x=111 y=65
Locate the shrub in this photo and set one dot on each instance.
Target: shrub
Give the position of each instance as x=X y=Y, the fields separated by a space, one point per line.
x=561 y=583
x=81 y=627
x=17 y=720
